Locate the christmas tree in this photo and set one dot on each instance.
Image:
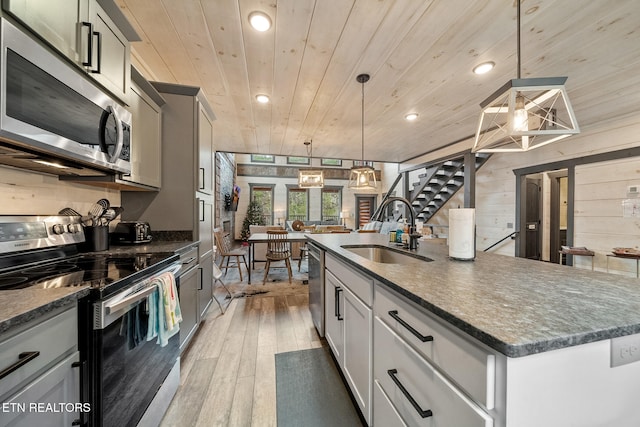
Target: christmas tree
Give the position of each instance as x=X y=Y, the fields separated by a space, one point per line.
x=254 y=217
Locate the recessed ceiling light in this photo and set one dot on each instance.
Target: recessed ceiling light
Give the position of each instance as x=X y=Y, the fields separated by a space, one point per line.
x=411 y=117
x=485 y=67
x=262 y=99
x=259 y=21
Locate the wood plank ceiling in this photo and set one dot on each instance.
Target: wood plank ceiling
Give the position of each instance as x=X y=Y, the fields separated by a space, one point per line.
x=419 y=53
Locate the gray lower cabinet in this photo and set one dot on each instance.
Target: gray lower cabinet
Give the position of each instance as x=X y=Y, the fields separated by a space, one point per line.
x=348 y=328
x=189 y=283
x=41 y=384
x=205 y=290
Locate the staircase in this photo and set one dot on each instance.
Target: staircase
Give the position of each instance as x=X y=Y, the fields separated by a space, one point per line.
x=438 y=183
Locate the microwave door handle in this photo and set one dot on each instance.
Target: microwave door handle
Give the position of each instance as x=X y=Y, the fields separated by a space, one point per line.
x=89 y=61
x=119 y=139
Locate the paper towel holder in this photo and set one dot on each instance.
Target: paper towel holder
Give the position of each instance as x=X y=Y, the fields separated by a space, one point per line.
x=462 y=234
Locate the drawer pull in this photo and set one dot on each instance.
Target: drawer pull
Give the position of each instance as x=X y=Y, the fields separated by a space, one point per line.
x=337 y=306
x=23 y=359
x=423 y=338
x=424 y=414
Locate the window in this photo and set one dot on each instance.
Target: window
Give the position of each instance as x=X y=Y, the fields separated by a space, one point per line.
x=298 y=160
x=331 y=162
x=297 y=204
x=263 y=158
x=331 y=203
x=263 y=194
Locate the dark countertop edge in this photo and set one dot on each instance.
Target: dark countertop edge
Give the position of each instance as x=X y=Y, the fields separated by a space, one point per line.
x=508 y=350
x=39 y=311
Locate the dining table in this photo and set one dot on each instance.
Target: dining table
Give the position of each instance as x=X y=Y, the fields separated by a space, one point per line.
x=294 y=236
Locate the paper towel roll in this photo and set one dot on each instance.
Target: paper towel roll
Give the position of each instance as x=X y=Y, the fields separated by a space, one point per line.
x=462 y=233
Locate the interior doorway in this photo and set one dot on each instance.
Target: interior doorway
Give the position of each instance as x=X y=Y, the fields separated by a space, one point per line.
x=544 y=204
x=365 y=207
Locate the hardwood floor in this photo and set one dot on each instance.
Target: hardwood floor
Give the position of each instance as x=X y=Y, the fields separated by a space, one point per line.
x=228 y=372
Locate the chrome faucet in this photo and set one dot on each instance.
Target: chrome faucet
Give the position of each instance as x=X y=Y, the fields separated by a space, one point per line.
x=413 y=236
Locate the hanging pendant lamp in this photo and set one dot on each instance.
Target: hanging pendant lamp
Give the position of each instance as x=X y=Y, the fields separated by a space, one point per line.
x=363 y=175
x=525 y=113
x=310 y=178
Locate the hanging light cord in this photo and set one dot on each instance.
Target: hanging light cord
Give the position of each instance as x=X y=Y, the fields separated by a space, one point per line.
x=363 y=121
x=518 y=36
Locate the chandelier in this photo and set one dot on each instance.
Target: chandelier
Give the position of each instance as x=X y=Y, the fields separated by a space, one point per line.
x=310 y=178
x=525 y=113
x=363 y=175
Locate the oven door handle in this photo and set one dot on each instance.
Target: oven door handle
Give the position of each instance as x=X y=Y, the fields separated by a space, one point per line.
x=115 y=306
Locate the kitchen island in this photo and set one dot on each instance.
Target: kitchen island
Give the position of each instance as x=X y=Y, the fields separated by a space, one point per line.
x=555 y=344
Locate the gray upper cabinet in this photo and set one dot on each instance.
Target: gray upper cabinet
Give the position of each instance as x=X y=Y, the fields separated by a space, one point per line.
x=182 y=204
x=146 y=135
x=93 y=34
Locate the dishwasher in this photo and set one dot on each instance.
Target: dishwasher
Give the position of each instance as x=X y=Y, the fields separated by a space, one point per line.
x=316 y=286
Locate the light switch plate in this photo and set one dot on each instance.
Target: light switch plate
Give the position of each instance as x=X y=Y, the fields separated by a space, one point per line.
x=625 y=350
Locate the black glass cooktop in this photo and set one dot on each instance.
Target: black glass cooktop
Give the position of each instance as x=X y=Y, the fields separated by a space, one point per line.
x=95 y=270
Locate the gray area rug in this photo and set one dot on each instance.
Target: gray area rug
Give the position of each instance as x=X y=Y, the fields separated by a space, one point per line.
x=310 y=392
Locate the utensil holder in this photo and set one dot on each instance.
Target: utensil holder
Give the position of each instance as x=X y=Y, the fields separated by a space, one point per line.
x=96 y=238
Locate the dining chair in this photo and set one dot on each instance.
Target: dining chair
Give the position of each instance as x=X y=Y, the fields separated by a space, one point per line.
x=278 y=249
x=217 y=277
x=223 y=243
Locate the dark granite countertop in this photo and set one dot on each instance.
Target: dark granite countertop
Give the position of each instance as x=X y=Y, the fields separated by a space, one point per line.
x=515 y=306
x=22 y=305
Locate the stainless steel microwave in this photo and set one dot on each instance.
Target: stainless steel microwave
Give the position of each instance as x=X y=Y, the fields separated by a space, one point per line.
x=48 y=107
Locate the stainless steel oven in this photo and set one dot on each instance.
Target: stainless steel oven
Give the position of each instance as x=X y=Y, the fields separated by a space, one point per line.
x=48 y=107
x=131 y=380
x=126 y=380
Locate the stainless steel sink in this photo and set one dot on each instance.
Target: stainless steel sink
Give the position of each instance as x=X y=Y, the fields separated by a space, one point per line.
x=385 y=254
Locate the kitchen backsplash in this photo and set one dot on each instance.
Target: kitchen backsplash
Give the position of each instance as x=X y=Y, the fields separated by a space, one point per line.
x=25 y=193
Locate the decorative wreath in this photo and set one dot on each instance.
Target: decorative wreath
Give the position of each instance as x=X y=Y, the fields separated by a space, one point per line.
x=297 y=225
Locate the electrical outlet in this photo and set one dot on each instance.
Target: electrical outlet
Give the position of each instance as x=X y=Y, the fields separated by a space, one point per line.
x=625 y=350
x=509 y=225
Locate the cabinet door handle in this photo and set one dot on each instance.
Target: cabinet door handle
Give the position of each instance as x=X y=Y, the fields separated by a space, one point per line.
x=202 y=174
x=201 y=286
x=89 y=44
x=202 y=210
x=423 y=413
x=99 y=61
x=337 y=303
x=23 y=359
x=423 y=338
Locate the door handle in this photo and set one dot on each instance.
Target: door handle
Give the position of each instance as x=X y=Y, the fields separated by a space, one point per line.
x=89 y=61
x=23 y=359
x=422 y=412
x=99 y=61
x=423 y=338
x=337 y=303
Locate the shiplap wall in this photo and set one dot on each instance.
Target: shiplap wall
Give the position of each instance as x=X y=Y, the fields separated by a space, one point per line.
x=30 y=193
x=600 y=189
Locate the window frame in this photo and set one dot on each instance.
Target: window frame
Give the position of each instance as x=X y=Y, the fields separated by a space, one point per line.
x=295 y=188
x=264 y=187
x=331 y=189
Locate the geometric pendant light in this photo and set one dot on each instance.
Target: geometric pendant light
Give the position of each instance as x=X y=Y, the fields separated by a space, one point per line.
x=310 y=178
x=363 y=175
x=525 y=114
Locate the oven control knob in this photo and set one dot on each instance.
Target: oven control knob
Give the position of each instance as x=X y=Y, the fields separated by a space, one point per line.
x=74 y=228
x=58 y=229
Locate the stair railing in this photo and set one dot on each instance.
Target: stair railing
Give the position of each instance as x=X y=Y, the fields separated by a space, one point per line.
x=511 y=235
